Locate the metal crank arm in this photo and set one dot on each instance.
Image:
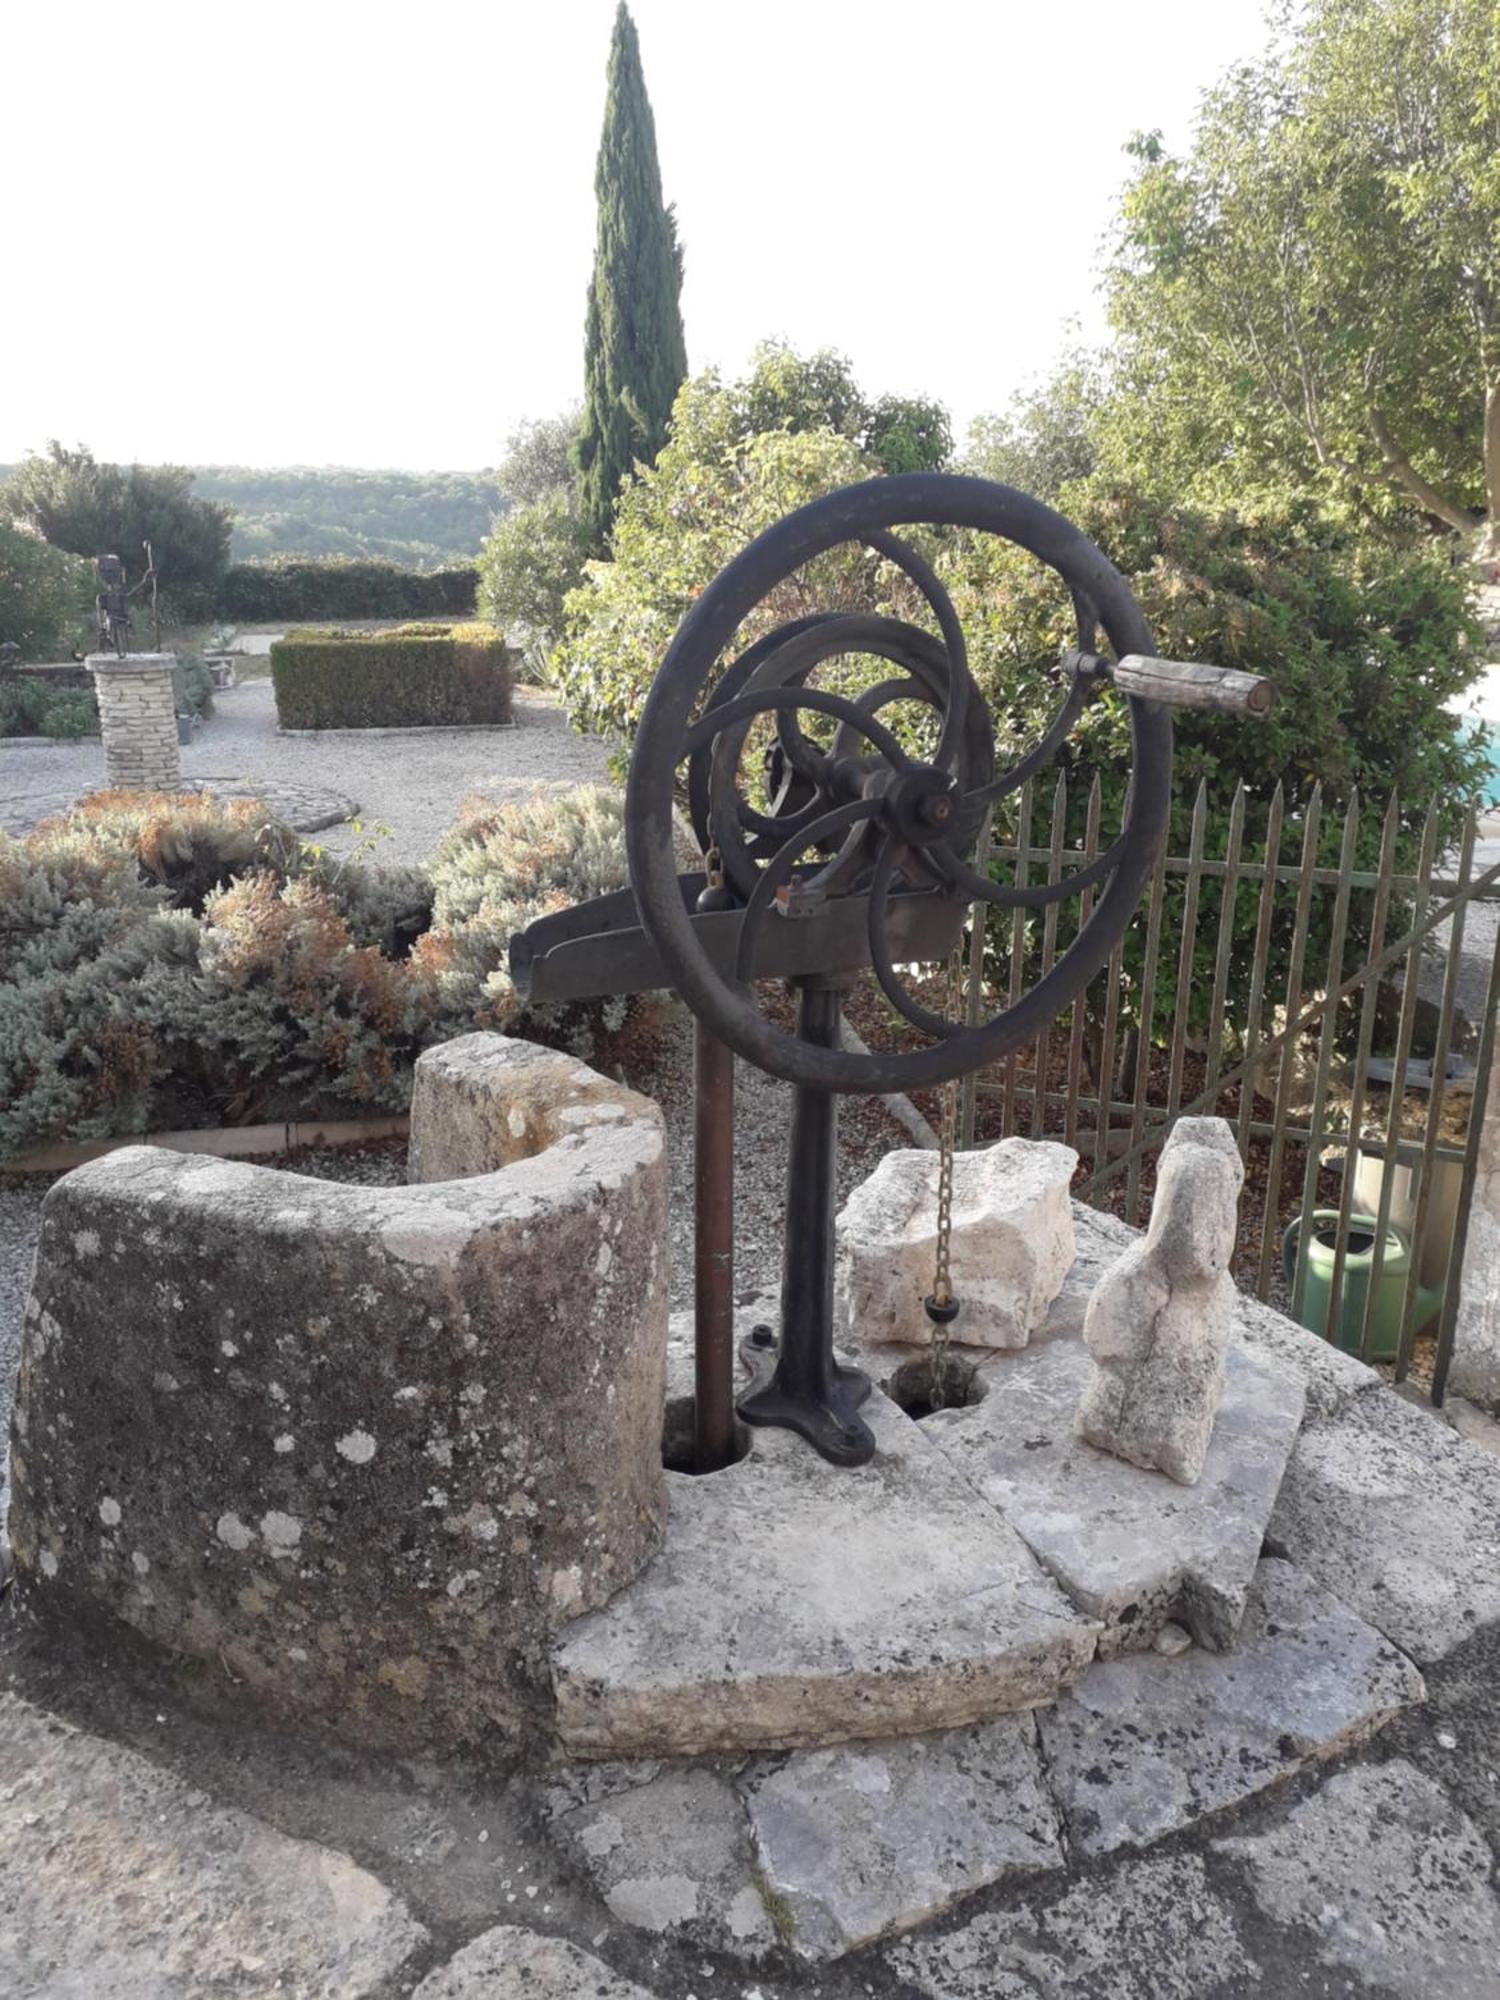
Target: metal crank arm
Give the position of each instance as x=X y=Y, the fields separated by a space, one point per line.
x=1178 y=683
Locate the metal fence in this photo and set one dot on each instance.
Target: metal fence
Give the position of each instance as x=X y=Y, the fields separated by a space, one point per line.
x=1345 y=1084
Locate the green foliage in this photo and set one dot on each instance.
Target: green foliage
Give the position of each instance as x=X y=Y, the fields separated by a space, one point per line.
x=92 y=509
x=341 y=587
x=677 y=526
x=538 y=461
x=788 y=391
x=1366 y=643
x=31 y=707
x=1045 y=439
x=177 y=960
x=410 y=520
x=534 y=557
x=46 y=597
x=409 y=677
x=1312 y=294
x=192 y=685
x=635 y=357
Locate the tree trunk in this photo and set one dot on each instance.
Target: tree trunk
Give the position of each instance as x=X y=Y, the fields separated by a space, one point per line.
x=1492 y=463
x=1401 y=472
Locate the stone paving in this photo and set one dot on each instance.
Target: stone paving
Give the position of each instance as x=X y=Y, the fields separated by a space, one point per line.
x=1315 y=1810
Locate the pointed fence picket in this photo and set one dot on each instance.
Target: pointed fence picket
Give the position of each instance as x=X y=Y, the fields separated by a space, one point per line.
x=1112 y=1075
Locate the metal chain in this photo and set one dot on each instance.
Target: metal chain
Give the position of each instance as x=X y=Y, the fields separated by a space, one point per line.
x=942 y=1279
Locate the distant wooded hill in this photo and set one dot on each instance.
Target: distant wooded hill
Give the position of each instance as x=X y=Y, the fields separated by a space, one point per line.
x=423 y=519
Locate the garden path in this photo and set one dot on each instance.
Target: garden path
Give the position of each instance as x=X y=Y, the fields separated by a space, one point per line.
x=411 y=784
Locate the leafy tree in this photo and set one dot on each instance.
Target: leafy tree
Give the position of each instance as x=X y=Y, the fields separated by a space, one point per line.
x=45 y=595
x=1045 y=438
x=90 y=509
x=1312 y=294
x=422 y=520
x=533 y=558
x=788 y=391
x=538 y=459
x=635 y=356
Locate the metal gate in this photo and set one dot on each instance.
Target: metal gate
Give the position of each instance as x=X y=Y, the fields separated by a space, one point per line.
x=1346 y=1075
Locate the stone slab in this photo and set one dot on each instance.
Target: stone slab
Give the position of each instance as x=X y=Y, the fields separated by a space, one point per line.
x=1130 y=1546
x=868 y=1839
x=1153 y=1930
x=1143 y=1746
x=794 y=1606
x=1400 y=1517
x=117 y=1879
x=1387 y=1879
x=509 y=1963
x=669 y=1851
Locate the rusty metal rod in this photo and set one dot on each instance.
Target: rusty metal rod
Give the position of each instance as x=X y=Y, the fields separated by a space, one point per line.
x=713 y=1254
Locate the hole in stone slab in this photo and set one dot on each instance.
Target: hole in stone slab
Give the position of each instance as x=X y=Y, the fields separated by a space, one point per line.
x=679 y=1451
x=915 y=1386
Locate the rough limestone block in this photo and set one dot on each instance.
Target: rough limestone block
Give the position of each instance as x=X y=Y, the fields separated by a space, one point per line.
x=792 y=1606
x=1386 y=1880
x=1155 y=1929
x=509 y=1963
x=1158 y=1326
x=1400 y=1517
x=362 y=1448
x=869 y=1839
x=1129 y=1547
x=117 y=1879
x=668 y=1849
x=1144 y=1746
x=1011 y=1248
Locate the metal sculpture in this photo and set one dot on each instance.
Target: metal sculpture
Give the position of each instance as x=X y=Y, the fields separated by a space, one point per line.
x=858 y=856
x=112 y=603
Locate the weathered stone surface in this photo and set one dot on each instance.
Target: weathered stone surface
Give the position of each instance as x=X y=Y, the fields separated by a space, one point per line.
x=137 y=719
x=1154 y=1930
x=1387 y=1879
x=509 y=1963
x=1157 y=1328
x=117 y=1879
x=1130 y=1547
x=790 y=1607
x=1143 y=1746
x=868 y=1839
x=366 y=1448
x=1400 y=1517
x=1012 y=1244
x=1475 y=1367
x=1330 y=1378
x=669 y=1851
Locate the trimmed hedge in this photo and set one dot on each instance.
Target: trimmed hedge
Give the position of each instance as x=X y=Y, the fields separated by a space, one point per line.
x=338 y=587
x=415 y=676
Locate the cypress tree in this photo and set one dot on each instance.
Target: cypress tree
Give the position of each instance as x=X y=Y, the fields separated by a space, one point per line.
x=634 y=354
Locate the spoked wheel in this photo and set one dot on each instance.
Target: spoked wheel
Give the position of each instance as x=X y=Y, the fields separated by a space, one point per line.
x=862 y=814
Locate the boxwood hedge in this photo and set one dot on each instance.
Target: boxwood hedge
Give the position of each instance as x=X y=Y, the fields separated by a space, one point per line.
x=338 y=587
x=413 y=676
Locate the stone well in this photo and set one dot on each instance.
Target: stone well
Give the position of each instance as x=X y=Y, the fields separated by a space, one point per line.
x=362 y=1449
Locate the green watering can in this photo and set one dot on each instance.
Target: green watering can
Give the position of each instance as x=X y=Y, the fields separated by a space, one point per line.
x=1359 y=1264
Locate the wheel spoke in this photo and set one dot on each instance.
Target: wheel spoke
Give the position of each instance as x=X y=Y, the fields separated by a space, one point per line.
x=959 y=875
x=924 y=576
x=778 y=871
x=744 y=708
x=937 y=1025
x=1058 y=731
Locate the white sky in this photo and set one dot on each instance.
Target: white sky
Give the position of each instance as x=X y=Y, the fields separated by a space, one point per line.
x=359 y=234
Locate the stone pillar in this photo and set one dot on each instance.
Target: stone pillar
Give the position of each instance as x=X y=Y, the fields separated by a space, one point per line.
x=1475 y=1369
x=138 y=719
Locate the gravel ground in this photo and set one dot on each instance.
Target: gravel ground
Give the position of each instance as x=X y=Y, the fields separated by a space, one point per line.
x=411 y=784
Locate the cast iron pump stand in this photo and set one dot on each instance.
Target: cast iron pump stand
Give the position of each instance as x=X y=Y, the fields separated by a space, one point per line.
x=859 y=854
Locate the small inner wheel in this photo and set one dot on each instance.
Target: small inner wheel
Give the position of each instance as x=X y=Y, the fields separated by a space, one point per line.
x=918 y=806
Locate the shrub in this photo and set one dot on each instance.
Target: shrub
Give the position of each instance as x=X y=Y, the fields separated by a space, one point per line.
x=45 y=595
x=404 y=678
x=175 y=960
x=534 y=556
x=500 y=867
x=295 y=587
x=31 y=707
x=192 y=685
